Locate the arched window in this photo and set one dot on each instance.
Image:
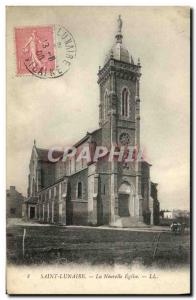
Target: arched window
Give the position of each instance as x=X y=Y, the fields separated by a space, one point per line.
x=125 y=102
x=106 y=104
x=34 y=187
x=55 y=191
x=79 y=192
x=104 y=189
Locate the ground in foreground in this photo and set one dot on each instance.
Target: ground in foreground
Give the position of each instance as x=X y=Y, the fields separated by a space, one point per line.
x=57 y=244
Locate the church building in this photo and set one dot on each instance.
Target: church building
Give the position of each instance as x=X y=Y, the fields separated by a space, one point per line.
x=99 y=192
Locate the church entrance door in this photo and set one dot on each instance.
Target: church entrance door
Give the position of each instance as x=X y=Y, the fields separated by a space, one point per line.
x=123 y=205
x=32 y=212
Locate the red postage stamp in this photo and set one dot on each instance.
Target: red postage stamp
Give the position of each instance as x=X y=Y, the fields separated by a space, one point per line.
x=44 y=51
x=34 y=49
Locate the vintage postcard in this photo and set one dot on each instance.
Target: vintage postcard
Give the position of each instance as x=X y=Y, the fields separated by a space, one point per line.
x=98 y=150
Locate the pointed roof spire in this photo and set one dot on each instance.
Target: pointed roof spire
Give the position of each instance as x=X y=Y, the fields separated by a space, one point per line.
x=34 y=142
x=119 y=35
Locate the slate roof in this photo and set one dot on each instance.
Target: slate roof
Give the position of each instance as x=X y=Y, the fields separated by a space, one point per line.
x=43 y=154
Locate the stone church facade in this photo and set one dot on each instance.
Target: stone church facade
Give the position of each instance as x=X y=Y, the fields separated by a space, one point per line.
x=101 y=192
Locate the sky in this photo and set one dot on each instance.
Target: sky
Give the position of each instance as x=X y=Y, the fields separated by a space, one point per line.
x=60 y=111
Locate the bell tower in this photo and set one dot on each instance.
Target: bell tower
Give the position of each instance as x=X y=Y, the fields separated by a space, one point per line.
x=119 y=88
x=119 y=119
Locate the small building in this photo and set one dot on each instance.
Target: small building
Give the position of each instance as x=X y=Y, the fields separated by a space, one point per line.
x=14 y=202
x=168 y=214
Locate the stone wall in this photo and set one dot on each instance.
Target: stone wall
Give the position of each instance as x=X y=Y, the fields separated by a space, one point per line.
x=79 y=204
x=47 y=174
x=145 y=190
x=156 y=205
x=104 y=203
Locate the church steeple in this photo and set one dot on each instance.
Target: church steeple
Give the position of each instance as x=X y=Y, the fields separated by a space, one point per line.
x=118 y=82
x=119 y=114
x=119 y=52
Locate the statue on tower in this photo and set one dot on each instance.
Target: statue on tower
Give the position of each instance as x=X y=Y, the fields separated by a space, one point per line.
x=119 y=23
x=119 y=33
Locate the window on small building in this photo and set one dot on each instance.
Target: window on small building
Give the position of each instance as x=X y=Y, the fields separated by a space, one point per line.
x=79 y=190
x=125 y=102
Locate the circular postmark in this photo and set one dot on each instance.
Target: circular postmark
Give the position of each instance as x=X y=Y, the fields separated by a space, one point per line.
x=49 y=54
